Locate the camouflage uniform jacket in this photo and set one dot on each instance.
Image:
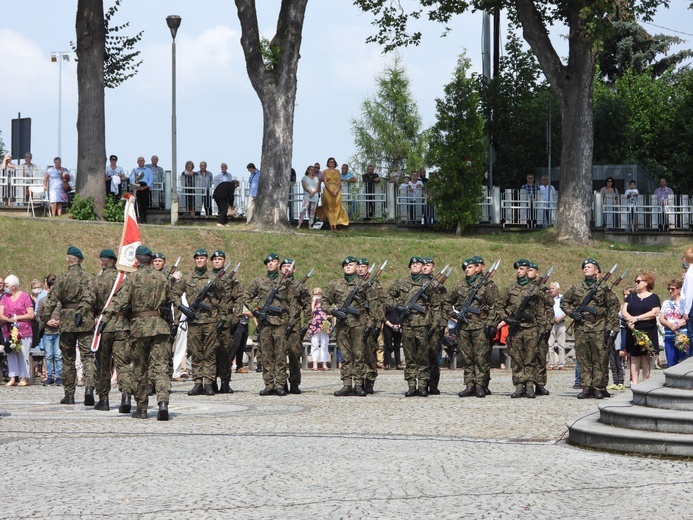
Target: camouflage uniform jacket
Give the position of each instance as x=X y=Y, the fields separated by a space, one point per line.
x=510 y=300
x=404 y=289
x=376 y=307
x=484 y=301
x=230 y=303
x=104 y=286
x=73 y=289
x=603 y=302
x=144 y=291
x=338 y=291
x=192 y=285
x=301 y=306
x=256 y=294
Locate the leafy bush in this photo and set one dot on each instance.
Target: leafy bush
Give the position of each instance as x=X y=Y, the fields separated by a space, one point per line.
x=114 y=209
x=82 y=209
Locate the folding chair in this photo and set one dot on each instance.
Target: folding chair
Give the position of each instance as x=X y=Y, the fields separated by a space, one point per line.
x=37 y=195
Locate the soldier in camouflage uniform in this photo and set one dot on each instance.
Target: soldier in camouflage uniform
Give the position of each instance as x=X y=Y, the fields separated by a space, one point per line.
x=373 y=291
x=492 y=290
x=202 y=332
x=592 y=330
x=146 y=294
x=472 y=334
x=272 y=323
x=74 y=289
x=523 y=330
x=435 y=334
x=301 y=315
x=532 y=274
x=416 y=325
x=350 y=327
x=114 y=340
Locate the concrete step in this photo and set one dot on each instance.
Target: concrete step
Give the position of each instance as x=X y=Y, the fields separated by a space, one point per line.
x=652 y=394
x=680 y=376
x=622 y=413
x=589 y=432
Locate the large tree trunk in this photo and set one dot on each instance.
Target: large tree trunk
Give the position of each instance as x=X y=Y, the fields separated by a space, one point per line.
x=276 y=87
x=573 y=86
x=91 y=127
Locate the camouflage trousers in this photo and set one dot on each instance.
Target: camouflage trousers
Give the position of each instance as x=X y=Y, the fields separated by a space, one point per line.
x=202 y=348
x=114 y=346
x=522 y=348
x=416 y=349
x=224 y=353
x=350 y=342
x=370 y=357
x=593 y=358
x=294 y=349
x=473 y=347
x=68 y=341
x=273 y=355
x=542 y=377
x=151 y=354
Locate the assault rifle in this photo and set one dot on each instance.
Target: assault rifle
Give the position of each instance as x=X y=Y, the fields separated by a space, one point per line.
x=461 y=315
x=261 y=314
x=520 y=315
x=412 y=305
x=173 y=269
x=346 y=308
x=191 y=311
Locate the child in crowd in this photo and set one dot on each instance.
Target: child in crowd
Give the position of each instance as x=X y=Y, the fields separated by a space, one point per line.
x=319 y=331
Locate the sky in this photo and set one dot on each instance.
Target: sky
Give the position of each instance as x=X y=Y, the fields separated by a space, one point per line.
x=218 y=112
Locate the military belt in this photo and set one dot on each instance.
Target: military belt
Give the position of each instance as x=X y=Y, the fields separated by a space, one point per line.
x=68 y=306
x=145 y=314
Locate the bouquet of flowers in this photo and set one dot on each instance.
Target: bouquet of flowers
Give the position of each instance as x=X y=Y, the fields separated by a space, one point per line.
x=643 y=341
x=682 y=342
x=14 y=343
x=65 y=176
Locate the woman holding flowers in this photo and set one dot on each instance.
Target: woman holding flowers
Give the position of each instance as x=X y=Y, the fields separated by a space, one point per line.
x=640 y=311
x=676 y=344
x=16 y=313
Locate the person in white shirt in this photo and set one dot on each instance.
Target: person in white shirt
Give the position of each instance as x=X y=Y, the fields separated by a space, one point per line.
x=663 y=194
x=114 y=176
x=547 y=198
x=631 y=196
x=556 y=355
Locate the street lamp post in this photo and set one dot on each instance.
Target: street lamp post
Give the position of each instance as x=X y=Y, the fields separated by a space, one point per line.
x=173 y=22
x=60 y=56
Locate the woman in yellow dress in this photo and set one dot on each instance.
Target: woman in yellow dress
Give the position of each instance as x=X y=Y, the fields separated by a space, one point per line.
x=332 y=208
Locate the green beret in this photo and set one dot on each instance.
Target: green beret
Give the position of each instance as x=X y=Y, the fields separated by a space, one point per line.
x=469 y=261
x=534 y=266
x=591 y=261
x=362 y=261
x=74 y=251
x=415 y=260
x=349 y=260
x=159 y=255
x=218 y=253
x=286 y=261
x=428 y=260
x=270 y=257
x=479 y=260
x=108 y=253
x=200 y=252
x=143 y=251
x=522 y=262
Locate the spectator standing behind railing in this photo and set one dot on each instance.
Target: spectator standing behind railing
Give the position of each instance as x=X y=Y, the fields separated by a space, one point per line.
x=54 y=183
x=223 y=194
x=662 y=194
x=347 y=179
x=29 y=170
x=205 y=179
x=253 y=184
x=547 y=194
x=531 y=191
x=418 y=195
x=609 y=195
x=311 y=194
x=8 y=169
x=141 y=183
x=370 y=179
x=187 y=180
x=631 y=196
x=157 y=177
x=114 y=175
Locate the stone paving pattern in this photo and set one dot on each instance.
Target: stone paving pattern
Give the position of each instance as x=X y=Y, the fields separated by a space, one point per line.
x=319 y=456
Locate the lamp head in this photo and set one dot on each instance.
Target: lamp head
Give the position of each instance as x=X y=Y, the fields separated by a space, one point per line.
x=173 y=22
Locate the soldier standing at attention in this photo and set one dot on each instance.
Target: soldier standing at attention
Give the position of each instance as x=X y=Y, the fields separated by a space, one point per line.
x=435 y=334
x=147 y=293
x=542 y=340
x=74 y=289
x=523 y=329
x=490 y=329
x=350 y=328
x=202 y=332
x=114 y=340
x=230 y=293
x=592 y=331
x=273 y=312
x=416 y=324
x=472 y=334
x=376 y=313
x=300 y=309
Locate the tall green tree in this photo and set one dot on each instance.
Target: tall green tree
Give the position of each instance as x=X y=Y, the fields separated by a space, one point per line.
x=588 y=21
x=457 y=146
x=388 y=134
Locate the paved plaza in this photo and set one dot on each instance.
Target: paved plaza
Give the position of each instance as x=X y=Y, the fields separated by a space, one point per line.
x=319 y=456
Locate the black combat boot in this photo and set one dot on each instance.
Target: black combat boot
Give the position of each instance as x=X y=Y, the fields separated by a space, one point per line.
x=487 y=390
x=530 y=391
x=359 y=391
x=124 y=403
x=604 y=393
x=89 y=396
x=541 y=390
x=519 y=392
x=585 y=394
x=214 y=386
x=368 y=386
x=346 y=390
x=102 y=404
x=280 y=391
x=423 y=390
x=163 y=411
x=412 y=392
x=68 y=399
x=469 y=391
x=208 y=389
x=268 y=390
x=597 y=394
x=433 y=389
x=480 y=391
x=294 y=389
x=140 y=414
x=225 y=388
x=196 y=389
